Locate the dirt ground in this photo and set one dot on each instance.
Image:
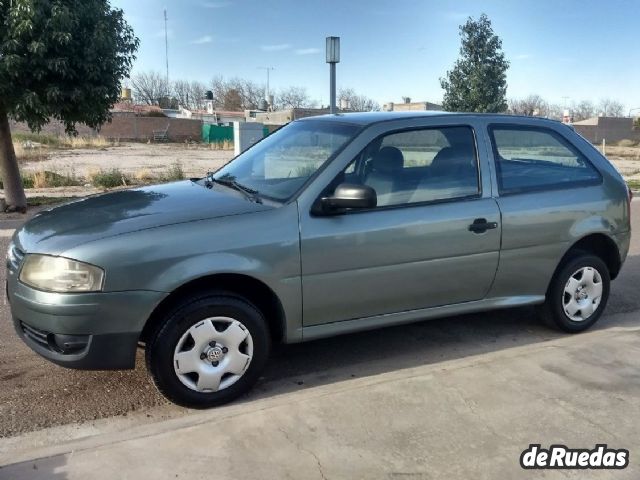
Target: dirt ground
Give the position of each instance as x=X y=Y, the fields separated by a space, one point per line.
x=626 y=159
x=130 y=158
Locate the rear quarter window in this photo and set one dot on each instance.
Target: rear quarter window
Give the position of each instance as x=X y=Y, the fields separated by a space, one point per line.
x=533 y=158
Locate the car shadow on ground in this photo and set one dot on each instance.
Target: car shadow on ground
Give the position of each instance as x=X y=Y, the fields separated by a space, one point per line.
x=379 y=351
x=51 y=468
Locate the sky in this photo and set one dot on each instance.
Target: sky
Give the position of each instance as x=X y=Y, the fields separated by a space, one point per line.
x=563 y=50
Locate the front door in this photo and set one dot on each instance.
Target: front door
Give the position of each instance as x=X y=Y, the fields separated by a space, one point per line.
x=432 y=240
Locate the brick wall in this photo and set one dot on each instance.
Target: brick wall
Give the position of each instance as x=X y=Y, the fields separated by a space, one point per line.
x=128 y=127
x=54 y=127
x=611 y=129
x=131 y=127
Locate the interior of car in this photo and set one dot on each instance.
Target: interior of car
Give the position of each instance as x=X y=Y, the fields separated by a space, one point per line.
x=443 y=166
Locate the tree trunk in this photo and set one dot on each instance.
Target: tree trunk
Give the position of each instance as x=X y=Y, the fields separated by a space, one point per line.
x=16 y=201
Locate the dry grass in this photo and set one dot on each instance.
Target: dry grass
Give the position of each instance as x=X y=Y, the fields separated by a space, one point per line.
x=27 y=153
x=223 y=145
x=627 y=143
x=144 y=175
x=117 y=178
x=85 y=142
x=47 y=179
x=173 y=173
x=625 y=153
x=30 y=147
x=109 y=178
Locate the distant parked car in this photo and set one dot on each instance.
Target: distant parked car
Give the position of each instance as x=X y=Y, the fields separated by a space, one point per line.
x=330 y=225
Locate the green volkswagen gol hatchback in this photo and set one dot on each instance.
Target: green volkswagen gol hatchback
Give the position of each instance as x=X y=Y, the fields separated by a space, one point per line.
x=330 y=225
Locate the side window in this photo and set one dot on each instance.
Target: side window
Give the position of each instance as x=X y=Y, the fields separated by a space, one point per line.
x=529 y=158
x=422 y=165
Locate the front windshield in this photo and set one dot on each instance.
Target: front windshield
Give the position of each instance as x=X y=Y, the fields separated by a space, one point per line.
x=281 y=163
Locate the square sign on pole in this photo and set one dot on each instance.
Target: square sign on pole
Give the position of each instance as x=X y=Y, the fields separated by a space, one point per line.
x=333 y=57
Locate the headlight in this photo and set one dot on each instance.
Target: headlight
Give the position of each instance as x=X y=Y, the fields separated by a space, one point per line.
x=59 y=274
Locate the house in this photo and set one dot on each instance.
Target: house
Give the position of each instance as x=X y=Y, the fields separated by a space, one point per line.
x=611 y=129
x=282 y=117
x=408 y=105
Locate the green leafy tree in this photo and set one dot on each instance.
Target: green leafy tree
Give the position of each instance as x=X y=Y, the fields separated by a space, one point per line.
x=478 y=80
x=59 y=59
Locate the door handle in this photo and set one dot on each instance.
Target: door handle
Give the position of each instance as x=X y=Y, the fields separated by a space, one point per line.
x=480 y=225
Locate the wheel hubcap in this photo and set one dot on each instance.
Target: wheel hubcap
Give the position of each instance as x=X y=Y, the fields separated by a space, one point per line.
x=213 y=354
x=582 y=294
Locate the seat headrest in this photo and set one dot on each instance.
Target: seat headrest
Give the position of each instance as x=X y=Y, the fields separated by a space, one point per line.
x=388 y=160
x=450 y=158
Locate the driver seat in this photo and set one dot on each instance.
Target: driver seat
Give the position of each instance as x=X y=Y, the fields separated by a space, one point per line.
x=386 y=173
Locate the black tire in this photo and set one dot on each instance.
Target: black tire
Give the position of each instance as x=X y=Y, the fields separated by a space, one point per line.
x=163 y=341
x=552 y=311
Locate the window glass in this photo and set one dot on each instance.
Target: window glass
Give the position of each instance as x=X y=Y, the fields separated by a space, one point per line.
x=415 y=166
x=530 y=158
x=281 y=163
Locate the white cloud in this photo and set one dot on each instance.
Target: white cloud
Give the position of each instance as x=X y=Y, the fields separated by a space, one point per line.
x=307 y=51
x=522 y=56
x=275 y=48
x=202 y=40
x=219 y=4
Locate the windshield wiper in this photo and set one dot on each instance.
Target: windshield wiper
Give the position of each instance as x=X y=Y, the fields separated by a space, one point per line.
x=231 y=182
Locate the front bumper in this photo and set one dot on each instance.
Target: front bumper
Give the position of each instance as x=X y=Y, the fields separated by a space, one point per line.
x=92 y=331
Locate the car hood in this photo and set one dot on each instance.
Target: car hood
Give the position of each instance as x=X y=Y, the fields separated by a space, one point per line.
x=58 y=229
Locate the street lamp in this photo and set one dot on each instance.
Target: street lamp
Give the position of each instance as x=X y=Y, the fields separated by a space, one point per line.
x=333 y=57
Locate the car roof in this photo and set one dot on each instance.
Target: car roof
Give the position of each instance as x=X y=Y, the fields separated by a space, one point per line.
x=370 y=118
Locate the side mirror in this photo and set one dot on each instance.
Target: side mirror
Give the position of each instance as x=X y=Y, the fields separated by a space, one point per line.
x=348 y=195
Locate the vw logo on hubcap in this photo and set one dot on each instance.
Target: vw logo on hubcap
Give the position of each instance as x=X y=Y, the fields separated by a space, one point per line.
x=214 y=354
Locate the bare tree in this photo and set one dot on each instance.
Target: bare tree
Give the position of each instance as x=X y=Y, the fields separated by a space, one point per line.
x=236 y=94
x=198 y=92
x=189 y=95
x=583 y=110
x=555 y=111
x=529 y=106
x=294 y=97
x=610 y=108
x=181 y=91
x=357 y=103
x=149 y=87
x=252 y=94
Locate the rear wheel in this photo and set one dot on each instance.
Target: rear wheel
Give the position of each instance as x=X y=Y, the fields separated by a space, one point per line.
x=578 y=294
x=209 y=350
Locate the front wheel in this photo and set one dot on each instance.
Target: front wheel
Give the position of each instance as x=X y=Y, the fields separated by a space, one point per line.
x=577 y=295
x=209 y=350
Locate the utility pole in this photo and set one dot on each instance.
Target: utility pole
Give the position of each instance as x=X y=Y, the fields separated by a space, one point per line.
x=166 y=47
x=266 y=91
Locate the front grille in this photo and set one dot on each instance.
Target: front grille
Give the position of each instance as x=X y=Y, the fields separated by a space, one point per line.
x=14 y=258
x=39 y=336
